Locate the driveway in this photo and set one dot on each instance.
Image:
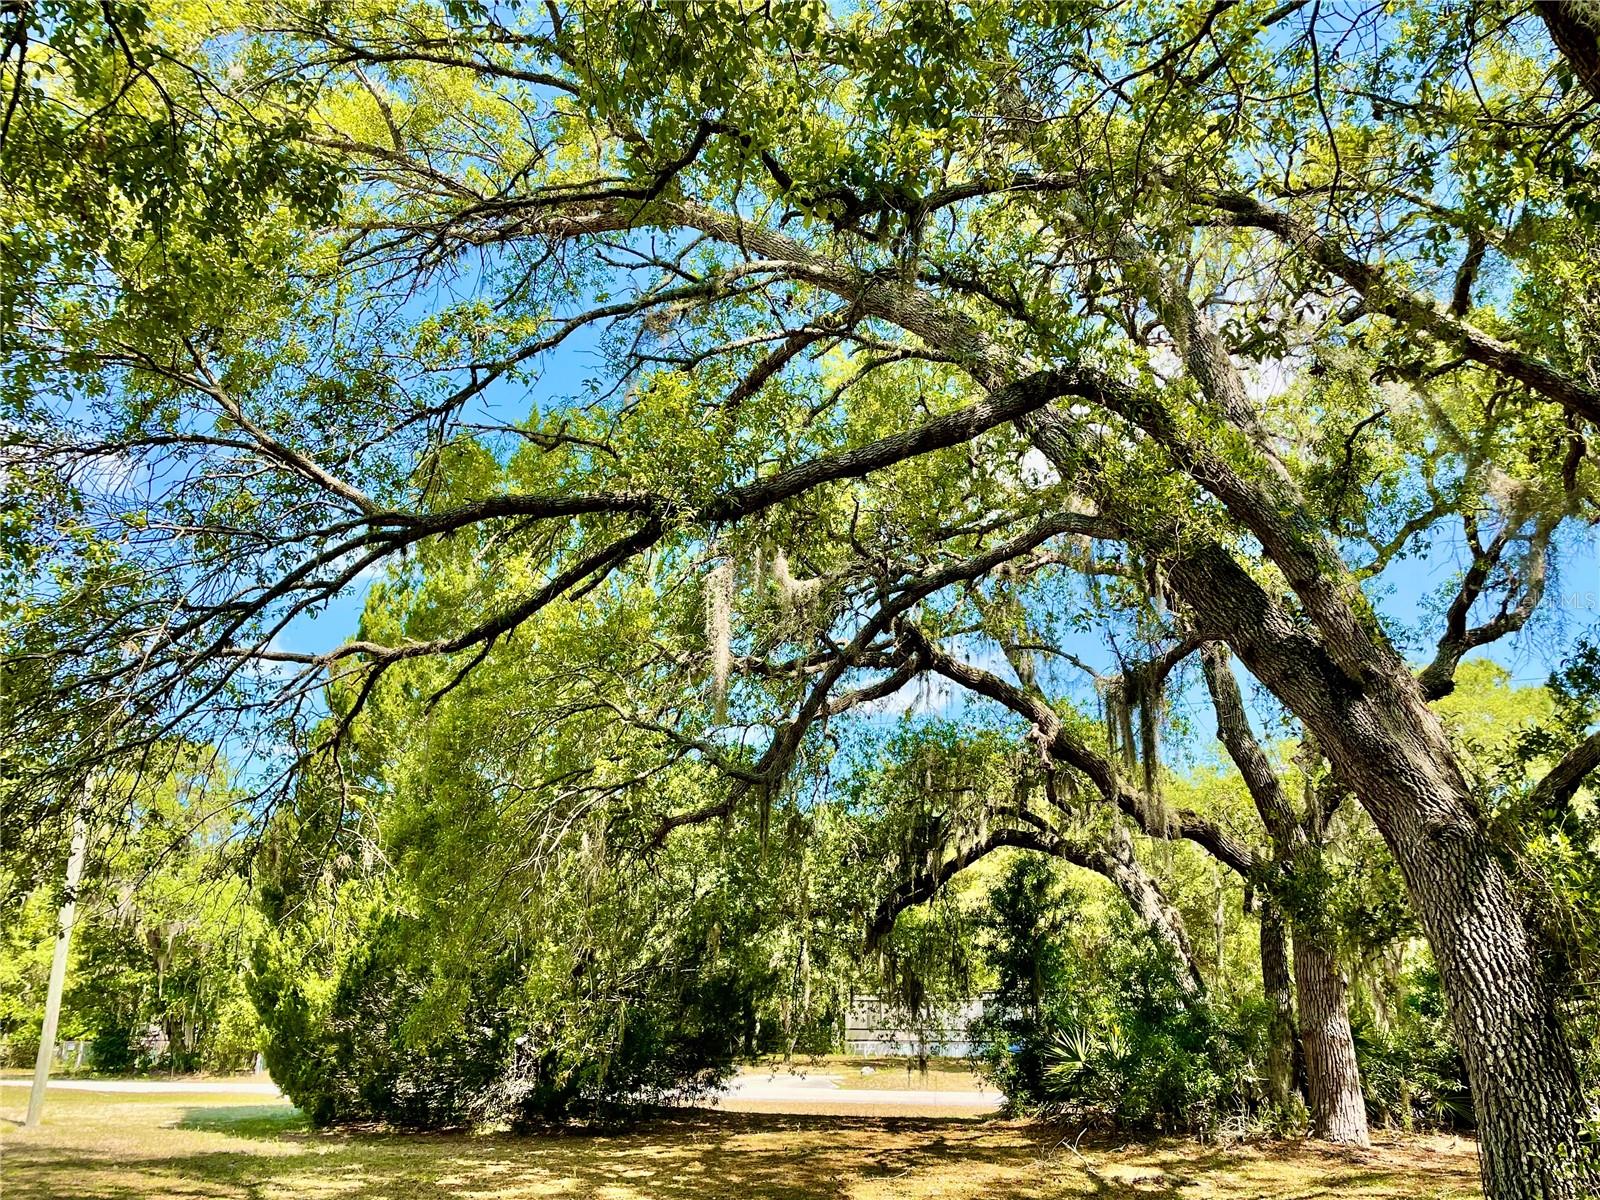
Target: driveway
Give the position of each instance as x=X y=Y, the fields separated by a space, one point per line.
x=791 y=1093
x=805 y=1092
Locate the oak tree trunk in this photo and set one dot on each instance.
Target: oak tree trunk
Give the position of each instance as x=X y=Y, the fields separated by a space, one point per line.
x=1389 y=748
x=1333 y=1079
x=1276 y=986
x=1575 y=29
x=1525 y=1087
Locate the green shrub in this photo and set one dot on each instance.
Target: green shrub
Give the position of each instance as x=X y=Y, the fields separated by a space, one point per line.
x=1111 y=1035
x=1412 y=1072
x=372 y=1030
x=115 y=1050
x=340 y=1046
x=20 y=1049
x=1151 y=1058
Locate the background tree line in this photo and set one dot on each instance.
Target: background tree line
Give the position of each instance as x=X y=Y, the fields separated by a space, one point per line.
x=413 y=961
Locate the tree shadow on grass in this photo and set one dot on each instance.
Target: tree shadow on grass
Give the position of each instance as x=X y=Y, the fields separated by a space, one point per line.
x=270 y=1121
x=690 y=1155
x=1306 y=1170
x=695 y=1155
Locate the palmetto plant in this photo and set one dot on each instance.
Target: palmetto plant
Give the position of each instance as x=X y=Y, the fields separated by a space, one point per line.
x=1072 y=1052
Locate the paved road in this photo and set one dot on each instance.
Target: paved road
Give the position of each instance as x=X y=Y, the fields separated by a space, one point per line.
x=826 y=1089
x=185 y=1087
x=771 y=1092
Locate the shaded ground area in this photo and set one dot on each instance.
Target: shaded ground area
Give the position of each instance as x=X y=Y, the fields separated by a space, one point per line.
x=122 y=1146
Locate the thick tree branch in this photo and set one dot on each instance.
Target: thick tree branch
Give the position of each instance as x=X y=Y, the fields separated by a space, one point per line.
x=1065 y=748
x=1233 y=728
x=925 y=884
x=1568 y=775
x=1437 y=679
x=786 y=741
x=1384 y=294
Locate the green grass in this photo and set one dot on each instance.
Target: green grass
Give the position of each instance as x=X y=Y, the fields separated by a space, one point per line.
x=105 y=1146
x=245 y=1120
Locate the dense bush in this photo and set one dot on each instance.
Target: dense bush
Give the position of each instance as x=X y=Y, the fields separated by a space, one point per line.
x=368 y=1023
x=114 y=1050
x=1107 y=1035
x=1150 y=1059
x=340 y=1046
x=1412 y=1072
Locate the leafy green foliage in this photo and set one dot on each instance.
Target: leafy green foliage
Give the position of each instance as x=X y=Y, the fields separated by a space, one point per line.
x=1411 y=1070
x=338 y=1044
x=1099 y=1026
x=28 y=939
x=442 y=960
x=156 y=978
x=279 y=293
x=1026 y=922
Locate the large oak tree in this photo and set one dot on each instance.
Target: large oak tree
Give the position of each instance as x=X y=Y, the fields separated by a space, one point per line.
x=1267 y=296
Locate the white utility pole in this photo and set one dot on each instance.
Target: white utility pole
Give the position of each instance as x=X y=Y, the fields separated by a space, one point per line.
x=58 y=969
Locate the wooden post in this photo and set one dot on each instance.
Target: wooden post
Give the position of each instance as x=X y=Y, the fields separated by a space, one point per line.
x=58 y=970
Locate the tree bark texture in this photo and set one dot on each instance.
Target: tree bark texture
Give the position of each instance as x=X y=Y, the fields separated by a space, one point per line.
x=1333 y=1078
x=1390 y=749
x=1276 y=986
x=1575 y=29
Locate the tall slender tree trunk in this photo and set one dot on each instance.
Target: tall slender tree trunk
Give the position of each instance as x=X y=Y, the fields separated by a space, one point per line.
x=58 y=964
x=1333 y=1078
x=1276 y=986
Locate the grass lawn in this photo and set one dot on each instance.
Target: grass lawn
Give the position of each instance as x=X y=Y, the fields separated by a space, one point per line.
x=101 y=1146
